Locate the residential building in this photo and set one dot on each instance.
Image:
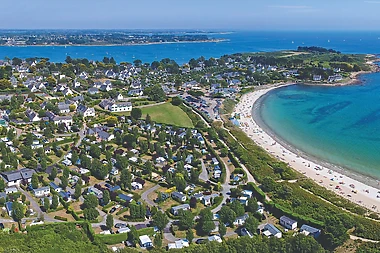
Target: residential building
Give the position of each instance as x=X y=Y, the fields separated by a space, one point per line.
x=10 y=190
x=145 y=241
x=270 y=230
x=41 y=192
x=179 y=196
x=12 y=178
x=215 y=238
x=9 y=206
x=288 y=223
x=86 y=111
x=310 y=231
x=98 y=193
x=175 y=209
x=55 y=187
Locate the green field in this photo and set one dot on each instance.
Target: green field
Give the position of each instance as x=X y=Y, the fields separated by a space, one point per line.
x=168 y=114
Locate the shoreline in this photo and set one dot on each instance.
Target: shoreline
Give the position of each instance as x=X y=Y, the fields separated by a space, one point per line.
x=323 y=173
x=115 y=45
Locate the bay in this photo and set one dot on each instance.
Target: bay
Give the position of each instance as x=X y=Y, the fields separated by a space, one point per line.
x=340 y=125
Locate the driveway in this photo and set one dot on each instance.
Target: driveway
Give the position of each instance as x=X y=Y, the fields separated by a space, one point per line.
x=145 y=194
x=204 y=175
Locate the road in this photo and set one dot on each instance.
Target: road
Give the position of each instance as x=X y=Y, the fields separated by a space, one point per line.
x=36 y=207
x=145 y=194
x=204 y=175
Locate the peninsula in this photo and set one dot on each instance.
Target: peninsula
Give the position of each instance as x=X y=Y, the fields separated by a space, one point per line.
x=98 y=37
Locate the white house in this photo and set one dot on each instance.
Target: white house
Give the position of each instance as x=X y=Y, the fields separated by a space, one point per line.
x=288 y=223
x=179 y=196
x=271 y=230
x=67 y=120
x=11 y=189
x=175 y=209
x=32 y=115
x=145 y=241
x=86 y=111
x=41 y=192
x=121 y=107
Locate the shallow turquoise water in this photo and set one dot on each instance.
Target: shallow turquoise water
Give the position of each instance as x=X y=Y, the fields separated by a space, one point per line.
x=341 y=125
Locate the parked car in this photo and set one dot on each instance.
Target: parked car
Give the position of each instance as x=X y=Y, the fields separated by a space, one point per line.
x=113 y=209
x=120 y=225
x=201 y=241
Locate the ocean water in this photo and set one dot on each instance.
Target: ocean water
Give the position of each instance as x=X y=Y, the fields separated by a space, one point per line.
x=340 y=125
x=236 y=42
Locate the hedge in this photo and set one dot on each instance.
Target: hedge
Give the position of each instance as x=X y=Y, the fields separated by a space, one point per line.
x=257 y=192
x=278 y=211
x=123 y=210
x=60 y=218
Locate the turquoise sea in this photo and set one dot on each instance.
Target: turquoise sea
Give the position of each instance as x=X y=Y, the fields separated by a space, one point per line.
x=236 y=42
x=340 y=125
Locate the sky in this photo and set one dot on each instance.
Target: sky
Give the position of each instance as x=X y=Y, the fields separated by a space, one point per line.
x=191 y=14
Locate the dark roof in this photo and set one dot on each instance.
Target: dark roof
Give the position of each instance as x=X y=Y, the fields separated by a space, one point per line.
x=125 y=197
x=309 y=229
x=287 y=220
x=140 y=226
x=272 y=229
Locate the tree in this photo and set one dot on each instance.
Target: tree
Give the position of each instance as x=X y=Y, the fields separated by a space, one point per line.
x=109 y=221
x=95 y=151
x=186 y=219
x=190 y=235
x=46 y=204
x=90 y=213
x=72 y=107
x=222 y=229
x=208 y=226
x=155 y=93
x=304 y=244
x=106 y=197
x=227 y=215
x=91 y=201
x=78 y=190
x=136 y=113
x=53 y=174
x=252 y=205
x=2 y=184
x=160 y=220
x=251 y=224
x=126 y=179
x=64 y=182
x=158 y=240
x=179 y=182
x=176 y=101
x=206 y=223
x=237 y=208
x=54 y=202
x=17 y=211
x=133 y=235
x=112 y=120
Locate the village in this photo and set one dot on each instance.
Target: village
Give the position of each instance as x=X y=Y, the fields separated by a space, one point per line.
x=128 y=148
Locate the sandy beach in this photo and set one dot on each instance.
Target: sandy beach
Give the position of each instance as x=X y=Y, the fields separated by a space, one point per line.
x=341 y=183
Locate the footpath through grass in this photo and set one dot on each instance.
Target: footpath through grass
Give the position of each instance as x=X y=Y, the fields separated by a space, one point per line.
x=168 y=114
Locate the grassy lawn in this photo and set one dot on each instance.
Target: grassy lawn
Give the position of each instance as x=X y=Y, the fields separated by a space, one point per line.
x=168 y=114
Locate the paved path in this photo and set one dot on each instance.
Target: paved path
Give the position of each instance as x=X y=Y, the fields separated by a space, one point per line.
x=352 y=237
x=145 y=194
x=204 y=175
x=36 y=207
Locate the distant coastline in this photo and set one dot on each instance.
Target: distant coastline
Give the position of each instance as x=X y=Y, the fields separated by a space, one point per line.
x=125 y=44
